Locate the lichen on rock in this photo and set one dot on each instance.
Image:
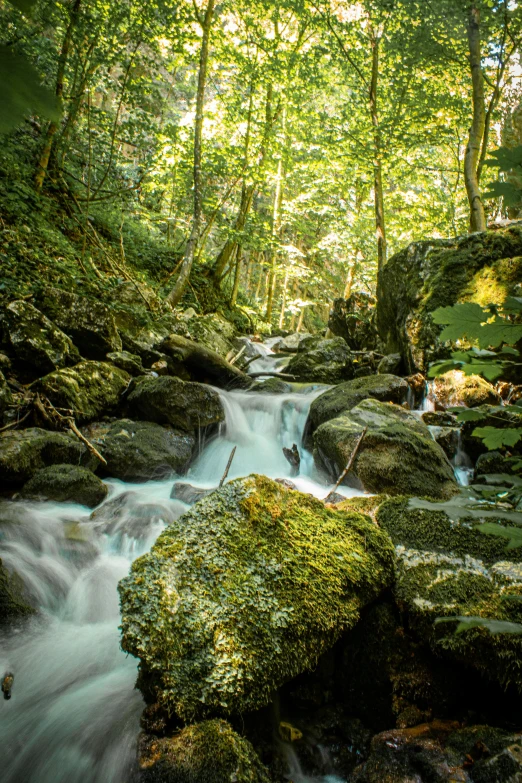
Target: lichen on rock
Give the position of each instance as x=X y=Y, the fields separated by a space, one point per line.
x=245 y=591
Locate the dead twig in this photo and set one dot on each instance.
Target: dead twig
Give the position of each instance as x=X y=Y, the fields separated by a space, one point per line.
x=92 y=449
x=229 y=463
x=15 y=423
x=349 y=465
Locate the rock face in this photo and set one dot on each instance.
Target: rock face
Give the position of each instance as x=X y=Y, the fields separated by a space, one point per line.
x=448 y=568
x=37 y=342
x=90 y=389
x=6 y=397
x=326 y=361
x=455 y=388
x=65 y=484
x=87 y=321
x=245 y=591
x=397 y=456
x=345 y=396
x=481 y=268
x=353 y=319
x=23 y=452
x=208 y=752
x=186 y=406
x=141 y=450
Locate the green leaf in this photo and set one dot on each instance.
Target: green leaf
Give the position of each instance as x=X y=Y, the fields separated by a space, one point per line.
x=23 y=5
x=510 y=193
x=489 y=370
x=512 y=304
x=495 y=438
x=513 y=535
x=470 y=414
x=441 y=368
x=493 y=626
x=21 y=92
x=463 y=320
x=505 y=158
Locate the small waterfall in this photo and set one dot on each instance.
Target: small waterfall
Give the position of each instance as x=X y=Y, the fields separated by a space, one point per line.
x=462 y=464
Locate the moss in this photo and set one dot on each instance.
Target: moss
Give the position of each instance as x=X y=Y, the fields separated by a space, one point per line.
x=244 y=592
x=13 y=604
x=66 y=484
x=167 y=400
x=367 y=504
x=327 y=361
x=455 y=388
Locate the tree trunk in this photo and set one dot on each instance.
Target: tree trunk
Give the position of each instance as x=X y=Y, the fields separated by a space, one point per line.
x=190 y=250
x=283 y=302
x=237 y=274
x=380 y=225
x=276 y=219
x=350 y=277
x=476 y=132
x=43 y=163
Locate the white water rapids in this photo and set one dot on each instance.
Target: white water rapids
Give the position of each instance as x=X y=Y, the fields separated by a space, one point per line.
x=74 y=713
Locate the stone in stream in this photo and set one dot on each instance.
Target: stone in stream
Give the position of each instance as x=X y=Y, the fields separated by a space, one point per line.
x=13 y=600
x=326 y=361
x=455 y=388
x=291 y=343
x=65 y=484
x=36 y=341
x=166 y=400
x=207 y=752
x=140 y=450
x=89 y=390
x=126 y=515
x=189 y=494
x=245 y=591
x=270 y=386
x=397 y=456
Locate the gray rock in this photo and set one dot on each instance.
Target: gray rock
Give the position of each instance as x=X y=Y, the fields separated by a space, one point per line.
x=189 y=494
x=125 y=515
x=65 y=484
x=328 y=361
x=390 y=364
x=186 y=406
x=126 y=361
x=291 y=343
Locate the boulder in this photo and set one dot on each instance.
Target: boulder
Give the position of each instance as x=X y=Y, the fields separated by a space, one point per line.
x=141 y=450
x=126 y=361
x=188 y=493
x=245 y=591
x=328 y=361
x=185 y=406
x=23 y=452
x=89 y=322
x=89 y=390
x=353 y=319
x=207 y=752
x=126 y=515
x=65 y=484
x=493 y=462
x=345 y=396
x=449 y=568
x=454 y=388
x=13 y=601
x=447 y=437
x=291 y=343
x=204 y=364
x=480 y=268
x=270 y=386
x=35 y=340
x=397 y=456
x=390 y=364
x=6 y=398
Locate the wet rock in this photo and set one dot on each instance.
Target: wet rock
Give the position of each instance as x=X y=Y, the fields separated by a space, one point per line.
x=328 y=361
x=13 y=601
x=353 y=319
x=65 y=484
x=161 y=367
x=189 y=494
x=204 y=364
x=447 y=437
x=397 y=456
x=493 y=462
x=186 y=406
x=141 y=450
x=291 y=343
x=271 y=386
x=126 y=361
x=125 y=515
x=36 y=341
x=345 y=396
x=390 y=365
x=439 y=419
x=480 y=268
x=417 y=384
x=6 y=398
x=244 y=592
x=207 y=752
x=90 y=389
x=455 y=388
x=89 y=322
x=23 y=452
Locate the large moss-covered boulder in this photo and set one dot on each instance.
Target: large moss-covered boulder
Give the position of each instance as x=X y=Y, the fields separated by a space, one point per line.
x=141 y=450
x=65 y=484
x=13 y=600
x=186 y=406
x=245 y=591
x=89 y=390
x=345 y=396
x=6 y=398
x=36 y=341
x=207 y=752
x=480 y=268
x=455 y=388
x=397 y=455
x=89 y=322
x=326 y=361
x=449 y=568
x=23 y=452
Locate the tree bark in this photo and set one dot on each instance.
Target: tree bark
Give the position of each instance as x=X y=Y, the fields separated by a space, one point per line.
x=190 y=250
x=237 y=274
x=276 y=219
x=477 y=130
x=43 y=162
x=380 y=225
x=283 y=302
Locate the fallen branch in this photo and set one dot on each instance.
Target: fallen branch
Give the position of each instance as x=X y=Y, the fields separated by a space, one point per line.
x=15 y=423
x=49 y=413
x=92 y=449
x=349 y=465
x=237 y=356
x=229 y=463
x=283 y=375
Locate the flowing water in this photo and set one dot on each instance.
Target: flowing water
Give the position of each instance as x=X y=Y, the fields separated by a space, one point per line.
x=74 y=713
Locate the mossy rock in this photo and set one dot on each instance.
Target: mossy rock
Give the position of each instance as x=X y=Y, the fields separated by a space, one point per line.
x=207 y=752
x=186 y=406
x=245 y=591
x=23 y=452
x=129 y=362
x=6 y=398
x=35 y=340
x=90 y=389
x=13 y=602
x=270 y=386
x=65 y=484
x=455 y=388
x=397 y=456
x=141 y=450
x=345 y=396
x=327 y=361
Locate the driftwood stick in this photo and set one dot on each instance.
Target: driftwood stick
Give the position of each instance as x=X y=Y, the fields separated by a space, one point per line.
x=349 y=465
x=294 y=458
x=283 y=375
x=229 y=463
x=239 y=355
x=15 y=423
x=92 y=449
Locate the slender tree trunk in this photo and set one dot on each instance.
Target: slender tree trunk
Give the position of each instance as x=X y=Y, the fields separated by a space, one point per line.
x=301 y=315
x=43 y=162
x=283 y=302
x=350 y=277
x=188 y=259
x=380 y=224
x=276 y=218
x=476 y=132
x=248 y=273
x=237 y=275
